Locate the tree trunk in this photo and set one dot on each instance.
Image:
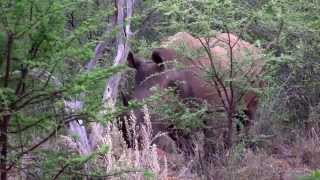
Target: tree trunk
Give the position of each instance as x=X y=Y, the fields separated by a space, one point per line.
x=8 y=59
x=4 y=145
x=76 y=105
x=230 y=130
x=111 y=90
x=5 y=111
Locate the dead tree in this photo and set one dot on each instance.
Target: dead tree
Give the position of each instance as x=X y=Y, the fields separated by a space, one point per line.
x=124 y=11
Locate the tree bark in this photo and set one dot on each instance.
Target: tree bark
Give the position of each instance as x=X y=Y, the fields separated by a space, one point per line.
x=8 y=58
x=230 y=129
x=111 y=90
x=4 y=145
x=6 y=115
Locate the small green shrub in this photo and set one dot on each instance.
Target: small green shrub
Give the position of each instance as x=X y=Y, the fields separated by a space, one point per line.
x=315 y=175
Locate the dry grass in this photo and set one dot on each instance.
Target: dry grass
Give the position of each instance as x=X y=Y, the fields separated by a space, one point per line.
x=275 y=160
x=145 y=155
x=137 y=160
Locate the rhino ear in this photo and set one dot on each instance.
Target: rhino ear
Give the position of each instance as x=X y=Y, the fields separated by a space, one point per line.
x=156 y=57
x=132 y=62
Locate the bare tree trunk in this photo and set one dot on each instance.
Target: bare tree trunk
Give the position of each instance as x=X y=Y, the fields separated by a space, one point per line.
x=4 y=145
x=230 y=127
x=5 y=111
x=111 y=90
x=77 y=127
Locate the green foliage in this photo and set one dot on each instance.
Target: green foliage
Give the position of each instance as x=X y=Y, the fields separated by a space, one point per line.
x=315 y=175
x=184 y=114
x=204 y=17
x=51 y=43
x=53 y=40
x=294 y=72
x=148 y=175
x=88 y=81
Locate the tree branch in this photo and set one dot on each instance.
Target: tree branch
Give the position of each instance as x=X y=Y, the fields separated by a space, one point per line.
x=9 y=44
x=54 y=132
